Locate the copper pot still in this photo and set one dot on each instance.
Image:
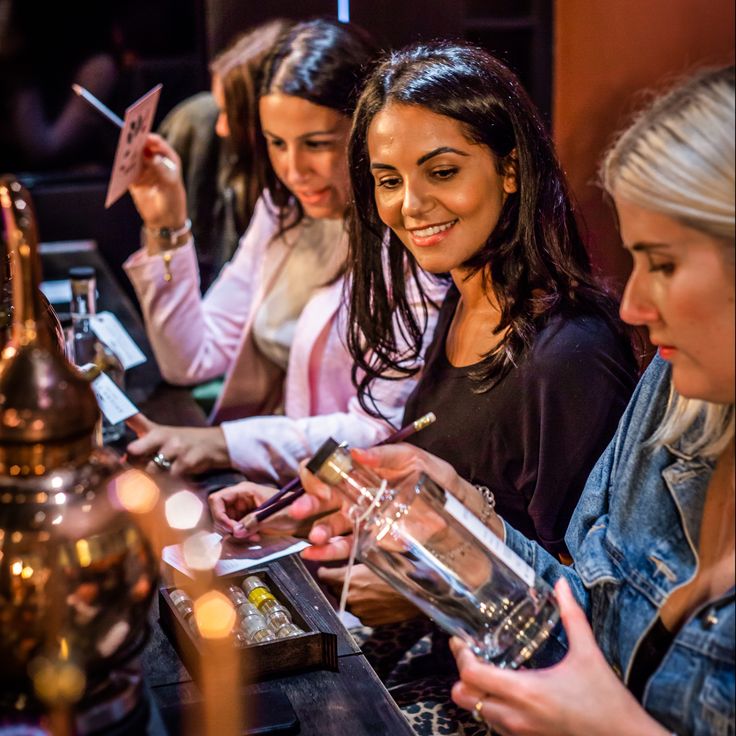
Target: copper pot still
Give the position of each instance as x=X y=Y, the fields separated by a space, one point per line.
x=76 y=573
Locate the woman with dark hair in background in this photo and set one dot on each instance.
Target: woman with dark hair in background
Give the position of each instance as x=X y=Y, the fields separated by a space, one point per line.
x=530 y=368
x=215 y=134
x=273 y=321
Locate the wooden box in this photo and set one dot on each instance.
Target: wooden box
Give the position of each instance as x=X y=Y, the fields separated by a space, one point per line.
x=314 y=649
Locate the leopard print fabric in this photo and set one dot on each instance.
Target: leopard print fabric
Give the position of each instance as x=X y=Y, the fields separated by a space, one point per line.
x=413 y=661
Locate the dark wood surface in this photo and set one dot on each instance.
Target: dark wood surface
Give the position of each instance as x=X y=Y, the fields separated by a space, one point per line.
x=350 y=701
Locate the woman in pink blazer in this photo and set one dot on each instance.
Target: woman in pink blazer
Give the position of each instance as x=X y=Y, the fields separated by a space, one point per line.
x=272 y=323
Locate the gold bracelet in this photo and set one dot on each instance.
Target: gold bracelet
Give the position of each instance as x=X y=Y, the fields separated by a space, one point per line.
x=173 y=237
x=169 y=240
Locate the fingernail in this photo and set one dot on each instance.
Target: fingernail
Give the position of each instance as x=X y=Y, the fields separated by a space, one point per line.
x=147 y=152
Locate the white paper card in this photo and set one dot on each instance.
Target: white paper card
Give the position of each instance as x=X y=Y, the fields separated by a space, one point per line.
x=486 y=537
x=57 y=292
x=252 y=555
x=110 y=330
x=113 y=403
x=136 y=126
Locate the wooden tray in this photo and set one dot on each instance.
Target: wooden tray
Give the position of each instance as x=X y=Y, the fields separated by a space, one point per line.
x=314 y=649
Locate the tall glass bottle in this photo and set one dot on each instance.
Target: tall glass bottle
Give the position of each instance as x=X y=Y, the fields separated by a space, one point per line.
x=85 y=347
x=422 y=541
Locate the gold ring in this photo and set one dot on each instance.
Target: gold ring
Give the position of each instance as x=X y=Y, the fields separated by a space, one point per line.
x=478 y=712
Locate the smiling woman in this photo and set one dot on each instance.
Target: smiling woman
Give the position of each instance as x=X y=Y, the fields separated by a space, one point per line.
x=273 y=321
x=453 y=173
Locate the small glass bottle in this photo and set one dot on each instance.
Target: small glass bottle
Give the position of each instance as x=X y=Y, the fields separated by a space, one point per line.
x=253 y=624
x=276 y=614
x=85 y=347
x=183 y=603
x=422 y=541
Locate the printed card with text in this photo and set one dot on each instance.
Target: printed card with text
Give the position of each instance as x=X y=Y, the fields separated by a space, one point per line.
x=114 y=404
x=137 y=124
x=110 y=330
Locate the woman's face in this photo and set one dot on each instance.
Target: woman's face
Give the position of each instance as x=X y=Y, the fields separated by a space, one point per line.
x=222 y=128
x=440 y=193
x=307 y=145
x=682 y=290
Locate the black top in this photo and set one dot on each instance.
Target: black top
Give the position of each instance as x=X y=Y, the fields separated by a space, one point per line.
x=535 y=436
x=648 y=657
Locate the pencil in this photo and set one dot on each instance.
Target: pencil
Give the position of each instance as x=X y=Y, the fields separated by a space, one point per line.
x=293 y=490
x=106 y=112
x=88 y=97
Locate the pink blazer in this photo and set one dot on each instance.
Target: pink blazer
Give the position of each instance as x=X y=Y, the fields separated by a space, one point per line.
x=196 y=339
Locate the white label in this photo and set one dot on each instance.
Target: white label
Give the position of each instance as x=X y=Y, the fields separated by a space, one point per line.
x=57 y=292
x=489 y=540
x=113 y=403
x=110 y=330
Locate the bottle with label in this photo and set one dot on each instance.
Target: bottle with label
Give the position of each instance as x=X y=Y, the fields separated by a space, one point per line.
x=422 y=541
x=85 y=348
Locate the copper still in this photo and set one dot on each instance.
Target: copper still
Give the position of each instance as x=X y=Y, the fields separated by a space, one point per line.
x=76 y=573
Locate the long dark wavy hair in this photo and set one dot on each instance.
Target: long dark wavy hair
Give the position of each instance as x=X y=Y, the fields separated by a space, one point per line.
x=534 y=260
x=239 y=68
x=322 y=61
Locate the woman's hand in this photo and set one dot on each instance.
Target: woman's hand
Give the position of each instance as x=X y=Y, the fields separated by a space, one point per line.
x=580 y=696
x=158 y=191
x=372 y=600
x=230 y=505
x=393 y=462
x=188 y=449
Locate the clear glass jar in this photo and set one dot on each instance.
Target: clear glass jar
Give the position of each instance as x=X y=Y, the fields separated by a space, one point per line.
x=423 y=542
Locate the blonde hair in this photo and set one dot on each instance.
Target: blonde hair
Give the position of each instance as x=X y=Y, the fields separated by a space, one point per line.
x=677 y=158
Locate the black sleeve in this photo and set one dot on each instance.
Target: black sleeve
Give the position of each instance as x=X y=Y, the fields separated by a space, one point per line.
x=575 y=386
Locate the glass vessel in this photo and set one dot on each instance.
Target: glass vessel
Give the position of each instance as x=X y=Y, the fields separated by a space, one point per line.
x=85 y=346
x=423 y=542
x=76 y=573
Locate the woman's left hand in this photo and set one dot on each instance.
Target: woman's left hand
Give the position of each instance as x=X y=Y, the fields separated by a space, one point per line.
x=372 y=600
x=580 y=696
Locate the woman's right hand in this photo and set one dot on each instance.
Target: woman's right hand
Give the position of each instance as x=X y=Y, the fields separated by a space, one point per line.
x=393 y=462
x=230 y=505
x=158 y=191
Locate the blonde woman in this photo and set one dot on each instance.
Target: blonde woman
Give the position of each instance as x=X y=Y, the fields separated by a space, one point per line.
x=648 y=605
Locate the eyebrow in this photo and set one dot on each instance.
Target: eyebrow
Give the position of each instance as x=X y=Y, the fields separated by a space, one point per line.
x=423 y=159
x=331 y=131
x=645 y=247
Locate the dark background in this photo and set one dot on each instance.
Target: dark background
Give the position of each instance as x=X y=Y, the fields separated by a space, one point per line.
x=586 y=63
x=171 y=41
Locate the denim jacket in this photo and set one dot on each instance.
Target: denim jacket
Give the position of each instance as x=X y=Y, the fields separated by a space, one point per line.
x=634 y=536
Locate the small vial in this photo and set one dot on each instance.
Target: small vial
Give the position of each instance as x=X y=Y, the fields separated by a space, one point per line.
x=240 y=638
x=236 y=595
x=183 y=603
x=253 y=625
x=251 y=583
x=289 y=630
x=259 y=594
x=277 y=617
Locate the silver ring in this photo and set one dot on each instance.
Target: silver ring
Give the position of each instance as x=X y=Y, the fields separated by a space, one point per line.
x=478 y=712
x=162 y=461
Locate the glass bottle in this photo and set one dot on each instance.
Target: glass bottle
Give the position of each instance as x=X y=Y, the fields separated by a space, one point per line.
x=422 y=541
x=85 y=347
